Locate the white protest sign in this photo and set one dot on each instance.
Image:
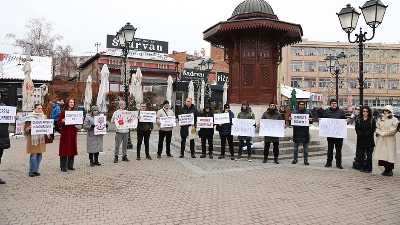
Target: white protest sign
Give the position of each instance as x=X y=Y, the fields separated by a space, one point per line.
x=100 y=125
x=42 y=126
x=73 y=117
x=19 y=124
x=186 y=119
x=300 y=120
x=243 y=127
x=148 y=116
x=205 y=122
x=7 y=114
x=336 y=128
x=167 y=121
x=126 y=120
x=272 y=128
x=221 y=118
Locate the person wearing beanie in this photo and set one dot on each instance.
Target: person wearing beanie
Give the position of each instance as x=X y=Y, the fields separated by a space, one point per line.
x=334 y=112
x=121 y=135
x=385 y=151
x=301 y=134
x=94 y=143
x=245 y=113
x=207 y=134
x=188 y=108
x=164 y=132
x=143 y=134
x=225 y=133
x=271 y=114
x=55 y=113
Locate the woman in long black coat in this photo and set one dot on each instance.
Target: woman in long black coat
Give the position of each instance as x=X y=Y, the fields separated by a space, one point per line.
x=365 y=128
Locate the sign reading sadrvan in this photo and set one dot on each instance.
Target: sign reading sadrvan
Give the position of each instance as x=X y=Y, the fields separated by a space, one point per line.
x=139 y=44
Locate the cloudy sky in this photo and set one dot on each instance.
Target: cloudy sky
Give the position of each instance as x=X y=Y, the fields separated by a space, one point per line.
x=179 y=22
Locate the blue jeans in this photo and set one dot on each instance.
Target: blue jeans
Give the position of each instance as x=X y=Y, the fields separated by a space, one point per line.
x=296 y=150
x=34 y=162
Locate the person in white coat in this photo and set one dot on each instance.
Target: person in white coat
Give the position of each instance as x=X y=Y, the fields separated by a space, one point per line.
x=385 y=152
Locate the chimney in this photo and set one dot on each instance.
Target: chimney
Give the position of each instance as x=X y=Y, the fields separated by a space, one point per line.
x=1 y=62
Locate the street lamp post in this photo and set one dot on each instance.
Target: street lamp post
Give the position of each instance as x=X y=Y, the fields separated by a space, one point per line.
x=336 y=65
x=207 y=65
x=373 y=12
x=125 y=38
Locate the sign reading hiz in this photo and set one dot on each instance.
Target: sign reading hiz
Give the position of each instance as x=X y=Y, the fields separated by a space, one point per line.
x=139 y=44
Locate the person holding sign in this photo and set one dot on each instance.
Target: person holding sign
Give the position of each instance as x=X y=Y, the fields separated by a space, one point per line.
x=164 y=131
x=121 y=135
x=365 y=129
x=207 y=134
x=94 y=143
x=334 y=113
x=68 y=140
x=245 y=113
x=188 y=108
x=271 y=114
x=386 y=129
x=35 y=144
x=225 y=133
x=143 y=132
x=301 y=132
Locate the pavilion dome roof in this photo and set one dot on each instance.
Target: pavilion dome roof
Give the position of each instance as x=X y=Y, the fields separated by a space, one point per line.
x=252 y=7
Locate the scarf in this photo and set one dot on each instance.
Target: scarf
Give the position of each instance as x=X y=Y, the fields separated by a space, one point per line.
x=38 y=138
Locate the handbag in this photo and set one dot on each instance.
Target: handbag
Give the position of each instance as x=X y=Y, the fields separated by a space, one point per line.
x=48 y=139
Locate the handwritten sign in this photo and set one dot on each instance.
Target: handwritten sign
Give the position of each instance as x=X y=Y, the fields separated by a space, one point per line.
x=300 y=120
x=148 y=116
x=73 y=117
x=19 y=124
x=167 y=121
x=205 y=122
x=243 y=127
x=272 y=128
x=42 y=126
x=100 y=125
x=7 y=114
x=126 y=120
x=336 y=128
x=221 y=118
x=186 y=119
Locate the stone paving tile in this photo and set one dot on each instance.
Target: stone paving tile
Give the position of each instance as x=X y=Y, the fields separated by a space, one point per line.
x=192 y=191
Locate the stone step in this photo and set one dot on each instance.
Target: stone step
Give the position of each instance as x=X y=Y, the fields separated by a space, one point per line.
x=284 y=150
x=281 y=143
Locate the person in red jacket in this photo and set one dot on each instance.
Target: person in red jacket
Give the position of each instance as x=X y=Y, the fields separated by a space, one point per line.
x=68 y=140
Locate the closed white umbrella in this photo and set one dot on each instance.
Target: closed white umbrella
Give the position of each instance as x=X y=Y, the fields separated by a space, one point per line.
x=191 y=91
x=169 y=89
x=88 y=93
x=225 y=94
x=103 y=90
x=202 y=89
x=27 y=88
x=132 y=85
x=138 y=87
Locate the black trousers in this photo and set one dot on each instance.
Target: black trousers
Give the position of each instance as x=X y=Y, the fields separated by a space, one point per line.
x=183 y=144
x=337 y=143
x=209 y=139
x=141 y=134
x=67 y=162
x=230 y=143
x=1 y=153
x=275 y=149
x=361 y=151
x=168 y=136
x=96 y=157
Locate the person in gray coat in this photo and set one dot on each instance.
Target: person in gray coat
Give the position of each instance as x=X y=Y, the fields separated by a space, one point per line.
x=94 y=143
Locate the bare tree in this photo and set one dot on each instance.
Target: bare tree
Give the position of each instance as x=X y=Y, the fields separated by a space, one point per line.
x=63 y=63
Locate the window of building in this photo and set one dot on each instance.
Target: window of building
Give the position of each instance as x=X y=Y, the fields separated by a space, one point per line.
x=310 y=51
x=322 y=67
x=379 y=84
x=296 y=66
x=352 y=52
x=393 y=68
x=368 y=84
x=309 y=66
x=352 y=84
x=296 y=51
x=379 y=68
x=323 y=51
x=323 y=82
x=393 y=54
x=352 y=67
x=367 y=67
x=309 y=82
x=296 y=82
x=337 y=51
x=378 y=53
x=393 y=84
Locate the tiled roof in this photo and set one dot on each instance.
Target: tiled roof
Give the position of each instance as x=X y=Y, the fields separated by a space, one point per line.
x=12 y=67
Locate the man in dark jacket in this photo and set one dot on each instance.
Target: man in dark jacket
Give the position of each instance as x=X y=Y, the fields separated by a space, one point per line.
x=4 y=137
x=272 y=114
x=320 y=112
x=143 y=132
x=207 y=134
x=225 y=133
x=301 y=134
x=334 y=113
x=187 y=109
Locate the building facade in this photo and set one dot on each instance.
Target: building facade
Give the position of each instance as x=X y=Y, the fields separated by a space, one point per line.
x=303 y=66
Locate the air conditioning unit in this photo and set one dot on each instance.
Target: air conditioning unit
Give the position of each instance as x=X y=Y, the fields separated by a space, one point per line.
x=147 y=88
